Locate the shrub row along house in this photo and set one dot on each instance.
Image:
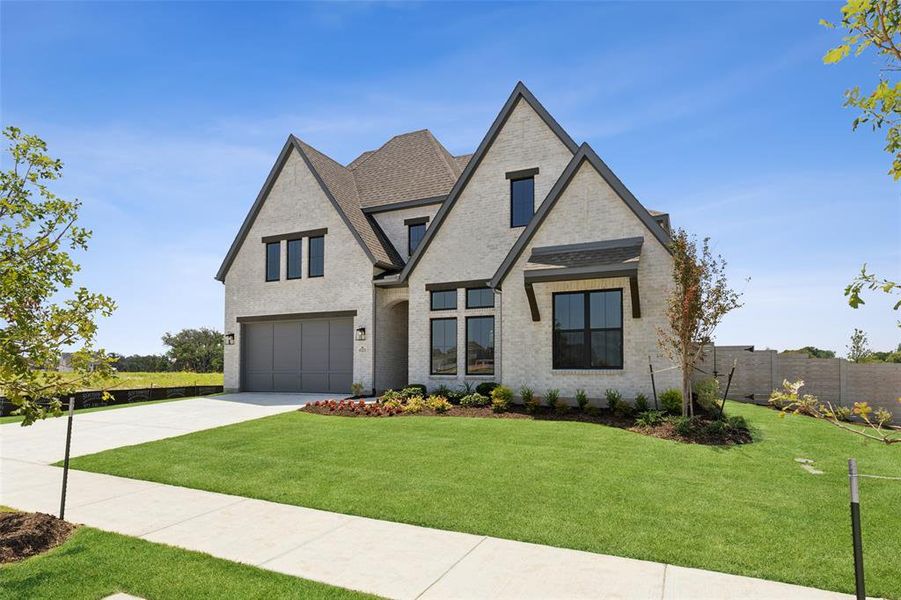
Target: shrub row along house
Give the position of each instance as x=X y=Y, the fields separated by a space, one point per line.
x=527 y=262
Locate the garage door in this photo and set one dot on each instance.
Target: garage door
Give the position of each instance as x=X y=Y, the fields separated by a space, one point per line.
x=310 y=355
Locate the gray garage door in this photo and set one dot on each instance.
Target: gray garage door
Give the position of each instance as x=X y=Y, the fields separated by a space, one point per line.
x=311 y=355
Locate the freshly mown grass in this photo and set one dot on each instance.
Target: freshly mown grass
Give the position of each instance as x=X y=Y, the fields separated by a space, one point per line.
x=125 y=380
x=93 y=564
x=750 y=509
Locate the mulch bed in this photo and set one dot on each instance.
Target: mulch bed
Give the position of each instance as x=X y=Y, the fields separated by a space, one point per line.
x=27 y=534
x=600 y=416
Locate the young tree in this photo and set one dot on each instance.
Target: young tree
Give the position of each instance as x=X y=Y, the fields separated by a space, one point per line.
x=37 y=231
x=859 y=348
x=700 y=298
x=874 y=25
x=198 y=350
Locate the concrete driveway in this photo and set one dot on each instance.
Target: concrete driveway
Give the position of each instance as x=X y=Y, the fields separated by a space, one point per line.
x=45 y=441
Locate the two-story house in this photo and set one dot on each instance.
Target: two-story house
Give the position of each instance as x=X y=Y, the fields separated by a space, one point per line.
x=527 y=262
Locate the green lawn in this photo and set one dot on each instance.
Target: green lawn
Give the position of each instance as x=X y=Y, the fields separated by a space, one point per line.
x=749 y=510
x=136 y=380
x=93 y=564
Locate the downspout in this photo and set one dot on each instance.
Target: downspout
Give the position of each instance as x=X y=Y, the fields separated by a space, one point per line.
x=498 y=334
x=374 y=353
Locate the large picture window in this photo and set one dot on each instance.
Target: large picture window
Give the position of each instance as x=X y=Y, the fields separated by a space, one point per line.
x=480 y=346
x=444 y=299
x=588 y=330
x=273 y=251
x=444 y=346
x=316 y=268
x=294 y=260
x=522 y=201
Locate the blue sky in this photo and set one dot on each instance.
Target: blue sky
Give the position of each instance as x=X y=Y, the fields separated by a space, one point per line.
x=169 y=116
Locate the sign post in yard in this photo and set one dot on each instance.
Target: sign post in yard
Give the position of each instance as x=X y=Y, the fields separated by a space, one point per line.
x=855 y=530
x=62 y=499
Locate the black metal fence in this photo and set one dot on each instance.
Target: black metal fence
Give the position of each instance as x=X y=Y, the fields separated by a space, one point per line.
x=93 y=399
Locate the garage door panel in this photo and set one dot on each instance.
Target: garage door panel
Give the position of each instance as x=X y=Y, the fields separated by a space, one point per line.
x=286 y=346
x=315 y=347
x=298 y=355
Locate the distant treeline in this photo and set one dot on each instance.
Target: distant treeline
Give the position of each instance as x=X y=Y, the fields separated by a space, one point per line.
x=197 y=350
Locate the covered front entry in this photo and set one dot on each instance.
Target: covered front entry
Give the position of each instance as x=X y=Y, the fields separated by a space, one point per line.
x=297 y=355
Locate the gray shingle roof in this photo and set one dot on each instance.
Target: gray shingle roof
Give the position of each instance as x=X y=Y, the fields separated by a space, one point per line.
x=590 y=254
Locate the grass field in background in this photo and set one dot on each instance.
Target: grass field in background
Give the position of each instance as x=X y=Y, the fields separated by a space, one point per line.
x=94 y=564
x=750 y=510
x=126 y=381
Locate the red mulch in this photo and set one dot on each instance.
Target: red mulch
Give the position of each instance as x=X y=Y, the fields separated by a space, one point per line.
x=599 y=416
x=27 y=534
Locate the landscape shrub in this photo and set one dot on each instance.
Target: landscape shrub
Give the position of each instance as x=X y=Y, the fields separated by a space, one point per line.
x=561 y=406
x=841 y=413
x=684 y=426
x=613 y=397
x=708 y=394
x=671 y=400
x=551 y=396
x=715 y=427
x=414 y=389
x=438 y=403
x=486 y=387
x=737 y=423
x=641 y=403
x=415 y=404
x=356 y=389
x=441 y=390
x=455 y=396
x=623 y=409
x=475 y=399
x=881 y=417
x=581 y=399
x=501 y=397
x=466 y=388
x=527 y=397
x=650 y=418
x=392 y=398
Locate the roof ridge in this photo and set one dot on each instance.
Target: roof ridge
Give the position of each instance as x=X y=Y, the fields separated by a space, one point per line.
x=442 y=152
x=349 y=172
x=388 y=141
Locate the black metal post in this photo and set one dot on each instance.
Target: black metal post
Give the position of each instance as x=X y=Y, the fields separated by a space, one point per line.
x=653 y=384
x=62 y=499
x=855 y=531
x=726 y=393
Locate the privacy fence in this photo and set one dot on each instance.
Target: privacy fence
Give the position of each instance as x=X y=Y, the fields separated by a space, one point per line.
x=93 y=399
x=759 y=372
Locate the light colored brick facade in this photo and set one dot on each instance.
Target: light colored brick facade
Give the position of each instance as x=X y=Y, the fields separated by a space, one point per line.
x=296 y=202
x=470 y=244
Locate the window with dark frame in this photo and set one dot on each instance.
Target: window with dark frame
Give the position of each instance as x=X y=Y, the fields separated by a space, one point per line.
x=480 y=345
x=273 y=256
x=588 y=330
x=444 y=299
x=443 y=344
x=522 y=201
x=316 y=267
x=294 y=258
x=479 y=298
x=415 y=233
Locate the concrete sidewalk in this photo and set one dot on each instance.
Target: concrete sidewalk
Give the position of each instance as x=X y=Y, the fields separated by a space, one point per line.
x=389 y=559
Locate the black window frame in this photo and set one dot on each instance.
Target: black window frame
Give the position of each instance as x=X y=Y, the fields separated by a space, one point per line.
x=432 y=299
x=299 y=246
x=432 y=346
x=493 y=346
x=479 y=289
x=587 y=330
x=310 y=257
x=512 y=183
x=410 y=247
x=278 y=260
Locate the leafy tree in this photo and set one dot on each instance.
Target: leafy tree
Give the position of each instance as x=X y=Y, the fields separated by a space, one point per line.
x=858 y=349
x=814 y=352
x=700 y=298
x=150 y=363
x=37 y=231
x=198 y=350
x=871 y=282
x=874 y=25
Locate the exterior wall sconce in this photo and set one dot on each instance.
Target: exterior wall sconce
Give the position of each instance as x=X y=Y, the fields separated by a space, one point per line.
x=230 y=339
x=361 y=334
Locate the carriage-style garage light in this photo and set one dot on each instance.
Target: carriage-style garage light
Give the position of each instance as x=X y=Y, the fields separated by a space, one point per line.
x=361 y=334
x=230 y=339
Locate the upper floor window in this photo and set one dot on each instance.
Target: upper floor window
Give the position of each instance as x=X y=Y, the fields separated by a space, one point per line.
x=273 y=252
x=444 y=299
x=294 y=260
x=479 y=298
x=588 y=330
x=522 y=201
x=415 y=233
x=316 y=267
